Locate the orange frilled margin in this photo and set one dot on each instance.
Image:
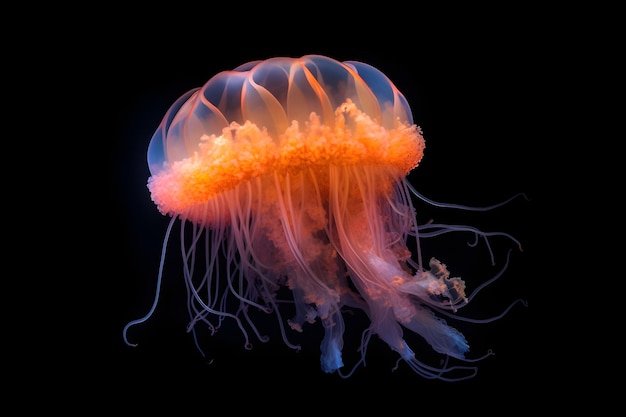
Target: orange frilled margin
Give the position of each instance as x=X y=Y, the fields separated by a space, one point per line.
x=244 y=152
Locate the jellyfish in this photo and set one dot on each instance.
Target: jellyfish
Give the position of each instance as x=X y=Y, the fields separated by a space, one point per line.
x=290 y=175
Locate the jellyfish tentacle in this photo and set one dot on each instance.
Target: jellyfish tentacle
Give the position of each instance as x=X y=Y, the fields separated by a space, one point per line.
x=464 y=207
x=158 y=286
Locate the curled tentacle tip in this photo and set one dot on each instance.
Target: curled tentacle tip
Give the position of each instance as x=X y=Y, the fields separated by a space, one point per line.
x=128 y=343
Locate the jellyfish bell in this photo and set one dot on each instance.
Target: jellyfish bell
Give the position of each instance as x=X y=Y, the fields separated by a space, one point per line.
x=291 y=173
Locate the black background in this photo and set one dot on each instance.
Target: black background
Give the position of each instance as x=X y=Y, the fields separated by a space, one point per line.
x=476 y=87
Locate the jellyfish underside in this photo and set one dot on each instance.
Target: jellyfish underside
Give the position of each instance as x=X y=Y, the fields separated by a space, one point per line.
x=303 y=186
